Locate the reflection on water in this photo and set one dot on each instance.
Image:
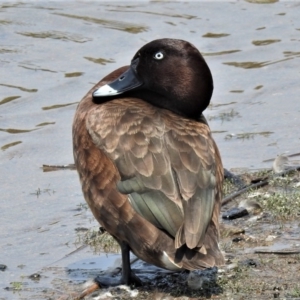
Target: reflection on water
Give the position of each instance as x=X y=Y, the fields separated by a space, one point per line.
x=8 y=99
x=254 y=64
x=58 y=106
x=45 y=124
x=111 y=24
x=220 y=52
x=57 y=35
x=264 y=42
x=5 y=50
x=215 y=35
x=14 y=130
x=4 y=147
x=236 y=91
x=101 y=61
x=221 y=104
x=225 y=116
x=20 y=88
x=258 y=87
x=36 y=68
x=51 y=53
x=171 y=23
x=74 y=74
x=291 y=53
x=9 y=5
x=183 y=16
x=262 y=1
x=247 y=65
x=247 y=135
x=5 y=22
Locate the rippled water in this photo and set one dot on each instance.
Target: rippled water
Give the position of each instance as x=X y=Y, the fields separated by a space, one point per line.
x=52 y=53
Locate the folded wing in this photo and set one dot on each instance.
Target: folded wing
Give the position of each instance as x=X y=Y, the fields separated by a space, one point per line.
x=167 y=165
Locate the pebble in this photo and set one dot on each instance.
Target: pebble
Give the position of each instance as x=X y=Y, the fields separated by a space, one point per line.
x=3 y=267
x=234 y=213
x=270 y=238
x=35 y=276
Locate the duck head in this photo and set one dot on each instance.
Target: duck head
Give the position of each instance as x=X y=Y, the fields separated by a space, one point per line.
x=166 y=73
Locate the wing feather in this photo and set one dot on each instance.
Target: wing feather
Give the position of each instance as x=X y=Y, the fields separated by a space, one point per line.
x=194 y=155
x=159 y=210
x=143 y=164
x=167 y=165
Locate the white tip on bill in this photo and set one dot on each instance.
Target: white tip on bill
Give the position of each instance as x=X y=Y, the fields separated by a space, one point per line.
x=105 y=90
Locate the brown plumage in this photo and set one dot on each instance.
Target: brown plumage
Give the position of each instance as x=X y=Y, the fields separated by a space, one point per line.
x=150 y=170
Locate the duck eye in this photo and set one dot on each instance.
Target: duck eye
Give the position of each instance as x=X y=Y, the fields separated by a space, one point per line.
x=158 y=56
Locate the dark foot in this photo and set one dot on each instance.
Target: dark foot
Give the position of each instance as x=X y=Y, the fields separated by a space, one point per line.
x=109 y=281
x=126 y=277
x=134 y=280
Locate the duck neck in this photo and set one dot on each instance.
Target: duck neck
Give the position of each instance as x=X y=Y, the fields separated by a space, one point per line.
x=184 y=107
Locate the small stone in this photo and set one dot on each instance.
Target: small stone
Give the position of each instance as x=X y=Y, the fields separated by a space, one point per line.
x=35 y=276
x=195 y=281
x=255 y=194
x=79 y=229
x=102 y=230
x=253 y=219
x=232 y=266
x=198 y=278
x=249 y=263
x=229 y=230
x=276 y=290
x=238 y=239
x=3 y=267
x=270 y=238
x=235 y=213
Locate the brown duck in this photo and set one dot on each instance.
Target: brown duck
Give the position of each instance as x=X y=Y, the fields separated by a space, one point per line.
x=150 y=170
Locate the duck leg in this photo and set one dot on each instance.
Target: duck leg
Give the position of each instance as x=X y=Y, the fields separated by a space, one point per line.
x=127 y=277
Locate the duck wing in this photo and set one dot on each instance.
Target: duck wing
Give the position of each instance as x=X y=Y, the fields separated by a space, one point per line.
x=192 y=154
x=166 y=163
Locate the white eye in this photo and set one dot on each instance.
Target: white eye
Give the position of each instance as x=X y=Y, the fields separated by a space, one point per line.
x=158 y=56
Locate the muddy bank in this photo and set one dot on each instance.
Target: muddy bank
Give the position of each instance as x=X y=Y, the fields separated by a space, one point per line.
x=262 y=250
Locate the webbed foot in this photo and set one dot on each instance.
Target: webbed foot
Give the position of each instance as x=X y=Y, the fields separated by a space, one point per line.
x=126 y=277
x=110 y=281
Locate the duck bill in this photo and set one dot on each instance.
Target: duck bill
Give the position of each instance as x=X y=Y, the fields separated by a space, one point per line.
x=125 y=82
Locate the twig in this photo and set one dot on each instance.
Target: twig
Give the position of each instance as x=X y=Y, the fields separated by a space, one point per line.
x=282 y=252
x=90 y=289
x=257 y=185
x=239 y=192
x=296 y=168
x=49 y=168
